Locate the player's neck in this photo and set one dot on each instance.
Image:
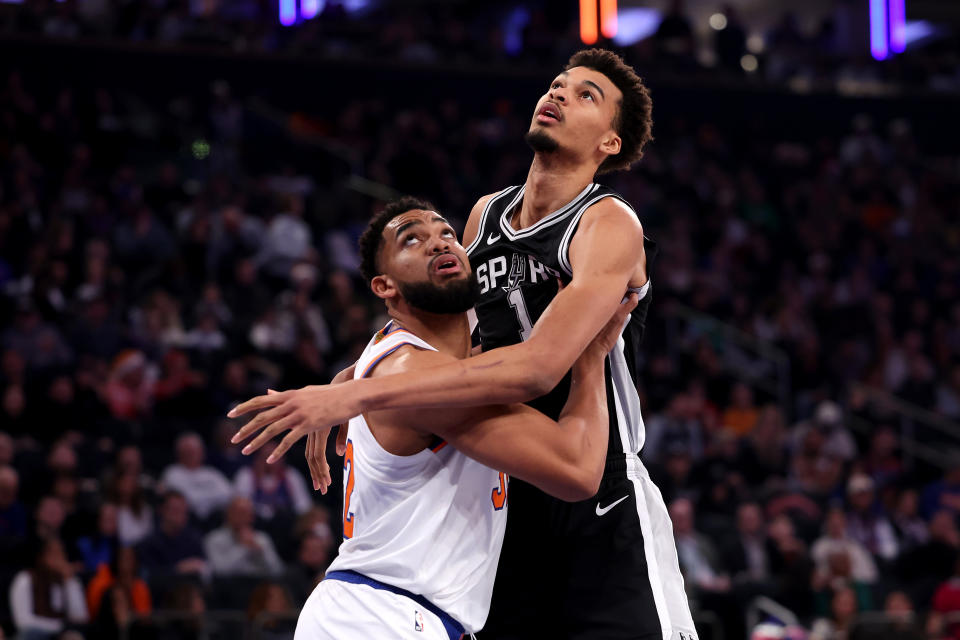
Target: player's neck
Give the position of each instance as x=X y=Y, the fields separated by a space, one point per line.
x=449 y=333
x=551 y=183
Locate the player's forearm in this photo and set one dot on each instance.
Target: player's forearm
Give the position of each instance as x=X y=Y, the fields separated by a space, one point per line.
x=585 y=416
x=508 y=375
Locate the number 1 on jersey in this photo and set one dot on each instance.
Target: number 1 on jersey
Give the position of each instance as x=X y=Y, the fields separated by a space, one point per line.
x=515 y=298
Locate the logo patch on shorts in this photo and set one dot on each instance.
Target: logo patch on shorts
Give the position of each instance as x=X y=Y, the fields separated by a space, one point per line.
x=417 y=621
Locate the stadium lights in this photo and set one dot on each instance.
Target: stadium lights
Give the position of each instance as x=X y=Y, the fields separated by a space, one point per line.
x=592 y=23
x=888 y=28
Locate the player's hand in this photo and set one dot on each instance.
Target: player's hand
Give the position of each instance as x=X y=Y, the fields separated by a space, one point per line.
x=316 y=451
x=299 y=411
x=606 y=340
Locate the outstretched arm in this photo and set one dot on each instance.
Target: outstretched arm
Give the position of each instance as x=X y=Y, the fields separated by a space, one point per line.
x=604 y=255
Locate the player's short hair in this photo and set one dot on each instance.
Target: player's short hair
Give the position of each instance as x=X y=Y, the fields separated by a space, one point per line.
x=372 y=238
x=634 y=119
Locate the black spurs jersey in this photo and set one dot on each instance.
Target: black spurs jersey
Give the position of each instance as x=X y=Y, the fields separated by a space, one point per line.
x=518 y=272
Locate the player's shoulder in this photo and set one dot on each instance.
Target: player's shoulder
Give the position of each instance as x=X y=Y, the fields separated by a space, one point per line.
x=612 y=213
x=408 y=357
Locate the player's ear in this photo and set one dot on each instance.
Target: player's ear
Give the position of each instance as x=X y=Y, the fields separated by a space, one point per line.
x=383 y=287
x=610 y=144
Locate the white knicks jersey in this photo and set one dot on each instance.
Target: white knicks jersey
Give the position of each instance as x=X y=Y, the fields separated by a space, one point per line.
x=431 y=523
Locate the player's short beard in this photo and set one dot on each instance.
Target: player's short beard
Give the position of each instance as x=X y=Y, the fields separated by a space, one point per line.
x=456 y=296
x=540 y=141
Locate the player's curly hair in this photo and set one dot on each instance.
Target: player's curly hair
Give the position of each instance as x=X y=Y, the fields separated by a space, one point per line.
x=372 y=237
x=634 y=119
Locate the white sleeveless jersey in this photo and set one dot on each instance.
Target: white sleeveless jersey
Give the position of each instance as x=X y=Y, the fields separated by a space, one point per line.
x=431 y=523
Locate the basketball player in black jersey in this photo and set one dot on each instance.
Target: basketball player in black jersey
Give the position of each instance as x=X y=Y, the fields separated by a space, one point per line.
x=603 y=568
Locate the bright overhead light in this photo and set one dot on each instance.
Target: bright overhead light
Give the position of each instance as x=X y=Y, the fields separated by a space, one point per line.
x=718 y=21
x=755 y=43
x=749 y=63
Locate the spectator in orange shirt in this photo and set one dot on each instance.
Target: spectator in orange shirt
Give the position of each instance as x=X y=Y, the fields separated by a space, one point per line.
x=122 y=572
x=742 y=414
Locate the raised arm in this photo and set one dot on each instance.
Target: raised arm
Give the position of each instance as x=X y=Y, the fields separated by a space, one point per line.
x=605 y=254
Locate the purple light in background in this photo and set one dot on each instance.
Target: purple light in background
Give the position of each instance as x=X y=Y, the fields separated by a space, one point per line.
x=288 y=12
x=878 y=29
x=310 y=8
x=898 y=25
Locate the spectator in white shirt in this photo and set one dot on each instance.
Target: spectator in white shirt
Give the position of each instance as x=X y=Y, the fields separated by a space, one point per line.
x=238 y=549
x=48 y=598
x=205 y=488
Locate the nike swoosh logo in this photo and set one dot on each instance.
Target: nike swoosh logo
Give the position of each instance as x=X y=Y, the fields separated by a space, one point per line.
x=607 y=508
x=491 y=239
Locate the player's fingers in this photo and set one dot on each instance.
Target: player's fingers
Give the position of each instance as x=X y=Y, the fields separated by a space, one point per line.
x=259 y=402
x=260 y=421
x=288 y=441
x=312 y=461
x=281 y=425
x=342 y=432
x=325 y=479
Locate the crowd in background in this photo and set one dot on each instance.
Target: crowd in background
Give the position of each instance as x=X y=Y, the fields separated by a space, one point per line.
x=833 y=53
x=142 y=299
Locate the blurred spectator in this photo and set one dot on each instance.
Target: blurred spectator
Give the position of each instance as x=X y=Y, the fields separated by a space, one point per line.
x=746 y=554
x=99 y=549
x=206 y=489
x=270 y=605
x=13 y=515
x=134 y=515
x=943 y=494
x=288 y=239
x=47 y=598
x=274 y=488
x=730 y=41
x=674 y=37
x=120 y=573
x=117 y=617
x=741 y=415
x=175 y=548
x=225 y=456
x=900 y=621
x=946 y=604
x=828 y=421
x=838 y=556
x=910 y=528
x=699 y=559
x=48 y=518
x=237 y=549
x=866 y=521
x=130 y=388
x=313 y=558
x=677 y=427
x=187 y=600
x=836 y=626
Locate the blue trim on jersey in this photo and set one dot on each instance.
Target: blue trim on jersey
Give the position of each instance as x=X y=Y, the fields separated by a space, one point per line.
x=453 y=628
x=374 y=363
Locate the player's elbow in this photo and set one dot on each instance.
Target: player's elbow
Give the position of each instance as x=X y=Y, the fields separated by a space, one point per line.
x=581 y=482
x=583 y=486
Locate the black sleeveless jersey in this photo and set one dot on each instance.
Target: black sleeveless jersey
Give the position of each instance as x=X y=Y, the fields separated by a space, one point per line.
x=518 y=272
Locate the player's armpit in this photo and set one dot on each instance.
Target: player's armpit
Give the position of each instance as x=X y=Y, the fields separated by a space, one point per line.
x=472 y=227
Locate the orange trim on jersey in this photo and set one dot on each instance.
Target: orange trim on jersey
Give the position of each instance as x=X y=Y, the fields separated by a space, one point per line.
x=440 y=446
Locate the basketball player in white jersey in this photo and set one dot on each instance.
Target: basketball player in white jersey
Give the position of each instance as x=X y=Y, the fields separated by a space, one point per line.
x=425 y=492
x=619 y=576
